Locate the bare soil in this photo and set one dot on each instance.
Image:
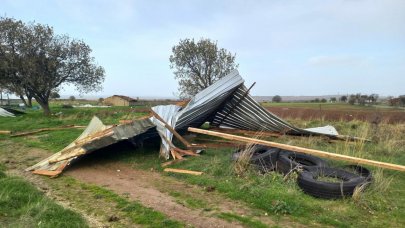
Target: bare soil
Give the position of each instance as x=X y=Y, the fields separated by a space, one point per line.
x=152 y=190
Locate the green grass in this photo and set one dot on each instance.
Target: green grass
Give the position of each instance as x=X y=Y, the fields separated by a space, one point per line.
x=190 y=201
x=22 y=205
x=382 y=204
x=248 y=222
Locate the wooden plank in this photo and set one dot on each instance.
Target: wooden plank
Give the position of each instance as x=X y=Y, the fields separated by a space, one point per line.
x=186 y=152
x=47 y=172
x=175 y=154
x=62 y=166
x=172 y=162
x=45 y=129
x=182 y=171
x=301 y=149
x=72 y=154
x=174 y=132
x=5 y=132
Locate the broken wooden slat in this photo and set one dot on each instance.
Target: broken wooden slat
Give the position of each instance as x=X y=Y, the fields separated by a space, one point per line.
x=175 y=154
x=168 y=127
x=45 y=129
x=72 y=154
x=186 y=152
x=47 y=172
x=5 y=132
x=301 y=149
x=172 y=162
x=183 y=171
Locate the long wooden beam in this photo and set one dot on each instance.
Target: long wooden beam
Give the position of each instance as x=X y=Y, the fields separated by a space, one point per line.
x=168 y=127
x=301 y=149
x=182 y=171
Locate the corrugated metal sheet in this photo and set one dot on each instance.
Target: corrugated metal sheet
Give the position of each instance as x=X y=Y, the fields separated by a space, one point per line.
x=226 y=103
x=243 y=112
x=131 y=131
x=167 y=113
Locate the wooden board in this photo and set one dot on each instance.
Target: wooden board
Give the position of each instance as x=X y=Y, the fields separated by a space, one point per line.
x=47 y=172
x=183 y=171
x=301 y=150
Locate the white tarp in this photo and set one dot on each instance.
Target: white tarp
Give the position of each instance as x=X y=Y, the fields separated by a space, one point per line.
x=5 y=113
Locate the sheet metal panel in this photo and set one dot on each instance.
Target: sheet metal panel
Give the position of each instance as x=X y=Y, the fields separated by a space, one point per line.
x=243 y=112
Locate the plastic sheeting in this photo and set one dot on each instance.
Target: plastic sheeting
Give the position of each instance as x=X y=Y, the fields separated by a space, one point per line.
x=5 y=113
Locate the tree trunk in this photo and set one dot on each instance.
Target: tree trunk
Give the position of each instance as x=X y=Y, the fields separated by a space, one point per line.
x=44 y=105
x=29 y=98
x=29 y=102
x=23 y=100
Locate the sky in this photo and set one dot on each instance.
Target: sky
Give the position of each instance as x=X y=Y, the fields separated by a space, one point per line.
x=287 y=47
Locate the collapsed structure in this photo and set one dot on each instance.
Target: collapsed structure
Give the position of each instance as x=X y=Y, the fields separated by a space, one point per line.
x=226 y=104
x=6 y=113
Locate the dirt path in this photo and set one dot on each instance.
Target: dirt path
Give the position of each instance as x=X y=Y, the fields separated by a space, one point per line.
x=150 y=188
x=144 y=186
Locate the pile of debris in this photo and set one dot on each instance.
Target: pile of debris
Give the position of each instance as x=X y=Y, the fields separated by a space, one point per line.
x=226 y=104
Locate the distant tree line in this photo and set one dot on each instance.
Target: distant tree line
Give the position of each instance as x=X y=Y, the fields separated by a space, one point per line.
x=35 y=62
x=362 y=99
x=397 y=101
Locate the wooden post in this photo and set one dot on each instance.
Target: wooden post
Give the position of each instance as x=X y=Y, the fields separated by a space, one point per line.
x=301 y=150
x=174 y=132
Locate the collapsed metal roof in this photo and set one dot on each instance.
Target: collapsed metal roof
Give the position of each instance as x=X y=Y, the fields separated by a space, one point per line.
x=94 y=137
x=226 y=103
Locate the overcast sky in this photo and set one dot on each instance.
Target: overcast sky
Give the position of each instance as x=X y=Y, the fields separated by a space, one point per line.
x=287 y=47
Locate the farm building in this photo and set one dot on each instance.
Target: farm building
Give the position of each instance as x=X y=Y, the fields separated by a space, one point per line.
x=119 y=100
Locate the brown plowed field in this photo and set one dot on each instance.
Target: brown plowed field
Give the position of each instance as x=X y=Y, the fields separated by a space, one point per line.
x=390 y=116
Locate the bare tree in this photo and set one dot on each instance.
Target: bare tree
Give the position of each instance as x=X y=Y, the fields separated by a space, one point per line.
x=199 y=64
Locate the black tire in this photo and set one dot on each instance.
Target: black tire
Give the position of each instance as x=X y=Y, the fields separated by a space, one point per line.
x=361 y=171
x=309 y=183
x=266 y=161
x=257 y=150
x=289 y=160
x=263 y=158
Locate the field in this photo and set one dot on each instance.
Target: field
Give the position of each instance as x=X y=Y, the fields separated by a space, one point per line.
x=123 y=186
x=337 y=112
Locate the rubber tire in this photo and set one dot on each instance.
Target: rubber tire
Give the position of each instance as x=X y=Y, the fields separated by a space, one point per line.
x=266 y=161
x=263 y=158
x=307 y=181
x=361 y=171
x=289 y=160
x=257 y=150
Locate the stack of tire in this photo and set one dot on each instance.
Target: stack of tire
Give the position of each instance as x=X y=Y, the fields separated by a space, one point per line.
x=309 y=169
